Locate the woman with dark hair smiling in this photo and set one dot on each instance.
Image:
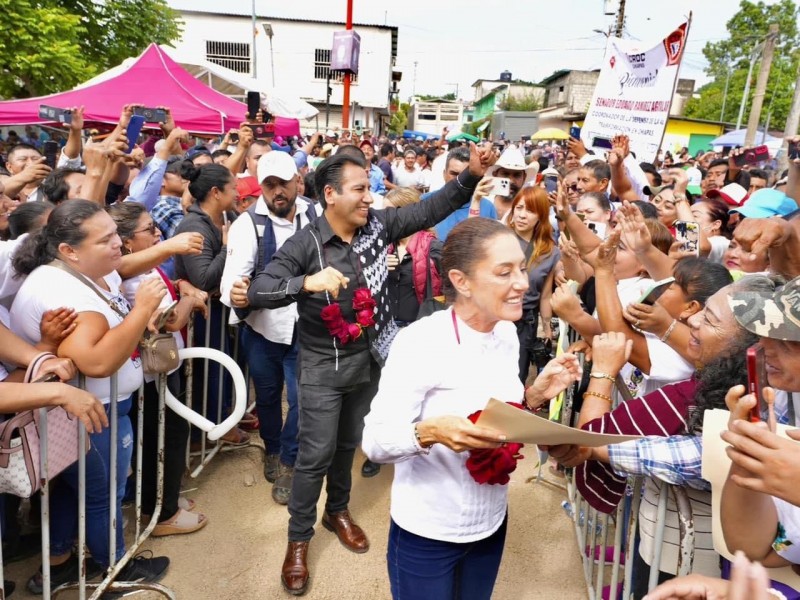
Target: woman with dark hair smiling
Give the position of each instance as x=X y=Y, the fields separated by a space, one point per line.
x=449 y=516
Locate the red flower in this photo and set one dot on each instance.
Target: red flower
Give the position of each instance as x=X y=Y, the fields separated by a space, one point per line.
x=344 y=331
x=331 y=313
x=365 y=318
x=493 y=465
x=363 y=300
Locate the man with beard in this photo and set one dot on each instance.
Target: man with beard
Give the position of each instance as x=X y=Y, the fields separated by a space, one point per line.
x=269 y=337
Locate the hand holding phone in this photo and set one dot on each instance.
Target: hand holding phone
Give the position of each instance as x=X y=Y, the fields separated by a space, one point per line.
x=166 y=315
x=151 y=115
x=51 y=153
x=757 y=380
x=751 y=156
x=655 y=291
x=134 y=129
x=688 y=234
x=501 y=186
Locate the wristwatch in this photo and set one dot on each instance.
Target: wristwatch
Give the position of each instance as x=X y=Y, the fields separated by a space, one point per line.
x=599 y=375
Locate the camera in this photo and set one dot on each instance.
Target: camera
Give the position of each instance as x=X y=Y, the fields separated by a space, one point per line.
x=151 y=115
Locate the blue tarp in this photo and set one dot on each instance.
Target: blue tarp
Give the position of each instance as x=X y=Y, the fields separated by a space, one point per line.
x=414 y=134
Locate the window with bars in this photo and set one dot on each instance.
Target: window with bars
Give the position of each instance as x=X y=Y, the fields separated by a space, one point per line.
x=231 y=55
x=322 y=64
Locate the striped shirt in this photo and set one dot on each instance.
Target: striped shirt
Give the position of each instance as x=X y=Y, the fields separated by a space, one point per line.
x=663 y=412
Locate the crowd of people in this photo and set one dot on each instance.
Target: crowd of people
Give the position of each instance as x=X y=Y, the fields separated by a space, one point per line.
x=387 y=288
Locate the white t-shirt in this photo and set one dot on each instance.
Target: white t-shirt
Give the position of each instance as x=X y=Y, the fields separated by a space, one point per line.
x=128 y=289
x=48 y=288
x=402 y=178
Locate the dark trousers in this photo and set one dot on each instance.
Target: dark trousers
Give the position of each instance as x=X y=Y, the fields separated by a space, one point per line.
x=271 y=364
x=526 y=332
x=331 y=421
x=176 y=433
x=641 y=573
x=424 y=569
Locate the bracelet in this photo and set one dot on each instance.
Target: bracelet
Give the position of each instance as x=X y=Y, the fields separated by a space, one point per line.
x=525 y=404
x=598 y=395
x=599 y=375
x=667 y=333
x=418 y=441
x=475 y=211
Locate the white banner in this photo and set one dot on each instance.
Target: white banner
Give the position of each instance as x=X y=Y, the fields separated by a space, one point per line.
x=634 y=93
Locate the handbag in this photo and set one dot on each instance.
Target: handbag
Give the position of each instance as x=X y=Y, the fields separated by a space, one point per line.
x=429 y=304
x=159 y=351
x=20 y=448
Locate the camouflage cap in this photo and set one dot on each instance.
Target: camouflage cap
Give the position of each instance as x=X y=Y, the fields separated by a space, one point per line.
x=775 y=316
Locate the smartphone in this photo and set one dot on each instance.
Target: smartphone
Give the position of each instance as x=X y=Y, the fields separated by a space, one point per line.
x=261 y=131
x=253 y=104
x=599 y=229
x=501 y=186
x=51 y=113
x=133 y=131
x=794 y=152
x=688 y=234
x=602 y=142
x=551 y=184
x=575 y=132
x=49 y=378
x=655 y=291
x=165 y=316
x=151 y=115
x=50 y=153
x=752 y=156
x=233 y=137
x=757 y=380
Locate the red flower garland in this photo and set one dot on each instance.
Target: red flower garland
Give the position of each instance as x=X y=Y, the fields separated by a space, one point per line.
x=345 y=331
x=493 y=465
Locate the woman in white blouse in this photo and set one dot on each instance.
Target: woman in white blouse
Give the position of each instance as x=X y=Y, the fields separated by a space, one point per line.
x=447 y=531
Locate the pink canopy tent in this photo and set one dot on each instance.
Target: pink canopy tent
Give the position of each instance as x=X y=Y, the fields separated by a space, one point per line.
x=153 y=79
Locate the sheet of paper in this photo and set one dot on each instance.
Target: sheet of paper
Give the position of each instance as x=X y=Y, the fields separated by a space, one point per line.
x=716 y=465
x=522 y=426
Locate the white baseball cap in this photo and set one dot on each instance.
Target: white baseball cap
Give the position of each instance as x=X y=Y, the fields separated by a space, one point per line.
x=276 y=164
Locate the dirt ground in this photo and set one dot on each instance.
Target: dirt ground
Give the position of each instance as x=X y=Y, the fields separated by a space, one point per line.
x=239 y=554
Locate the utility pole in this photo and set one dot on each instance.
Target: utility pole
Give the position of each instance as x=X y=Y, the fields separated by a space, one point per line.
x=792 y=123
x=620 y=25
x=761 y=85
x=414 y=87
x=346 y=91
x=255 y=54
x=725 y=94
x=746 y=92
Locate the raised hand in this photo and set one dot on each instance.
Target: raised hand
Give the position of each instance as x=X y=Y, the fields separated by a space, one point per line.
x=610 y=352
x=634 y=231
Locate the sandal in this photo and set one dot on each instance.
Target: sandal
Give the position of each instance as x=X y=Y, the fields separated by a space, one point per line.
x=182 y=522
x=186 y=504
x=235 y=437
x=249 y=422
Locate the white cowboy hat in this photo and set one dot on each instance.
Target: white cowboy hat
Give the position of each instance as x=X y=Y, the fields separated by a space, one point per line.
x=513 y=160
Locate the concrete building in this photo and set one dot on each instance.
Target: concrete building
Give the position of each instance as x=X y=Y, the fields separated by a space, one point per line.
x=567 y=97
x=293 y=56
x=432 y=116
x=490 y=94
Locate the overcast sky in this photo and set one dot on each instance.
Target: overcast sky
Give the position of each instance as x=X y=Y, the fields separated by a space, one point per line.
x=456 y=42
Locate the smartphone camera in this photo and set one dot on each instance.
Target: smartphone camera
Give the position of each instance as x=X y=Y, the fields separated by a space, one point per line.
x=794 y=151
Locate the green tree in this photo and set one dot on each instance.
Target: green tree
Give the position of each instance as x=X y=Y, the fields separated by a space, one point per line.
x=53 y=45
x=400 y=119
x=731 y=58
x=40 y=52
x=528 y=102
x=119 y=29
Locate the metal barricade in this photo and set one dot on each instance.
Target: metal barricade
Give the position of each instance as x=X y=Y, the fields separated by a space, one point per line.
x=214 y=431
x=197 y=460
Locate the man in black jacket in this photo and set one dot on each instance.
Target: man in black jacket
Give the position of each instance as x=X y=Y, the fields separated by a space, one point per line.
x=336 y=269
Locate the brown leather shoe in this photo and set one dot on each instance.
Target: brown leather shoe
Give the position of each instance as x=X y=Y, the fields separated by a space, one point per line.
x=350 y=535
x=294 y=573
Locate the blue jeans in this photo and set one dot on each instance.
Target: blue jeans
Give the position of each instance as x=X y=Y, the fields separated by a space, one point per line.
x=64 y=493
x=424 y=569
x=271 y=364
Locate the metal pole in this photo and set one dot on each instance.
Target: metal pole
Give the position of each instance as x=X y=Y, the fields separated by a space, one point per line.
x=255 y=61
x=725 y=95
x=271 y=61
x=746 y=92
x=328 y=99
x=346 y=97
x=761 y=85
x=791 y=124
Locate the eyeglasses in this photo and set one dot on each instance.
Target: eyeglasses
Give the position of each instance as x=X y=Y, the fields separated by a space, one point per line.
x=151 y=229
x=573 y=187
